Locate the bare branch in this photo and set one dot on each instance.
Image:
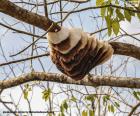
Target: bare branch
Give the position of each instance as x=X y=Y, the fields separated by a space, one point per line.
x=134 y=109
x=126 y=49
x=22 y=32
x=24 y=59
x=126 y=82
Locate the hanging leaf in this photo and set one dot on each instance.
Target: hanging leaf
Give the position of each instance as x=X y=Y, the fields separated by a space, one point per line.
x=112 y=108
x=130 y=12
x=103 y=11
x=110 y=11
x=127 y=15
x=109 y=22
x=46 y=94
x=90 y=97
x=105 y=99
x=25 y=93
x=65 y=105
x=109 y=108
x=62 y=108
x=119 y=14
x=73 y=99
x=116 y=26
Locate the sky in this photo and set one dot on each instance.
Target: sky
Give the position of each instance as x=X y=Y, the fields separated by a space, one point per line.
x=13 y=42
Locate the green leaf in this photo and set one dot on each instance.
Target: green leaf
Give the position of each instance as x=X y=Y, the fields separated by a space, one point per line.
x=90 y=97
x=103 y=11
x=109 y=108
x=127 y=15
x=73 y=99
x=131 y=13
x=62 y=108
x=106 y=98
x=119 y=14
x=65 y=105
x=84 y=113
x=116 y=26
x=25 y=93
x=108 y=23
x=117 y=104
x=99 y=2
x=46 y=94
x=112 y=109
x=91 y=113
x=110 y=11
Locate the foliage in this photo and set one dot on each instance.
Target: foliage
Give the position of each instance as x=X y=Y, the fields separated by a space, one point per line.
x=114 y=15
x=46 y=94
x=26 y=91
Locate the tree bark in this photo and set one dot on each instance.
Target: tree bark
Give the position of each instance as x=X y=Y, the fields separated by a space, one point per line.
x=126 y=82
x=126 y=49
x=24 y=15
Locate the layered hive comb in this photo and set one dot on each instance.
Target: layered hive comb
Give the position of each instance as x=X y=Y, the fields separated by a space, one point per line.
x=75 y=52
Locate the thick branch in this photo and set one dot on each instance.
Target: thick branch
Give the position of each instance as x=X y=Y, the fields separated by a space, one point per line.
x=24 y=15
x=126 y=49
x=126 y=82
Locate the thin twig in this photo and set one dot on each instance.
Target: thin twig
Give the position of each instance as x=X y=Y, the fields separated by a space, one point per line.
x=134 y=109
x=23 y=59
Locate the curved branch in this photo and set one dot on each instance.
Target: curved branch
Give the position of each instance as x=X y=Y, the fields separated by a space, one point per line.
x=126 y=82
x=24 y=15
x=126 y=49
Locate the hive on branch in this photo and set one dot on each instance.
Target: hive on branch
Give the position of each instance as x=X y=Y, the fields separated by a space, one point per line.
x=75 y=52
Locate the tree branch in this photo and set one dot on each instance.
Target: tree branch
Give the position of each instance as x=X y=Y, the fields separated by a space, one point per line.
x=134 y=109
x=126 y=82
x=24 y=59
x=126 y=49
x=24 y=15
